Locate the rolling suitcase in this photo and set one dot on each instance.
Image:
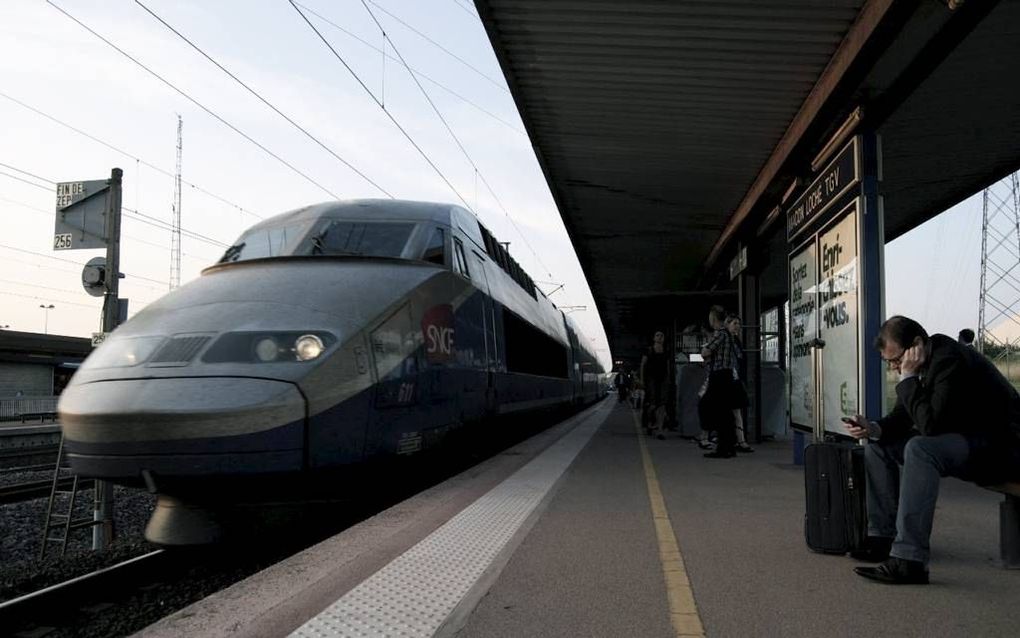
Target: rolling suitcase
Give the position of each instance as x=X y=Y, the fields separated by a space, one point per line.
x=836 y=519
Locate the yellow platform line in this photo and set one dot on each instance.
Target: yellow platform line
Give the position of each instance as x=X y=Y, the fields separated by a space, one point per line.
x=683 y=611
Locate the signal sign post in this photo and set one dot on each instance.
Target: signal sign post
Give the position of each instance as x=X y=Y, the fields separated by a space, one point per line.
x=88 y=217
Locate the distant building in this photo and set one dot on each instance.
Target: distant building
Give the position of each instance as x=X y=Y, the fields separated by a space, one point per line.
x=38 y=365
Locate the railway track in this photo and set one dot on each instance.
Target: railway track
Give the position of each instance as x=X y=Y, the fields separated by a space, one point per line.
x=36 y=489
x=104 y=585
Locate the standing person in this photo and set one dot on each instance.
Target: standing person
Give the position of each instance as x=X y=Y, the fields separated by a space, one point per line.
x=739 y=391
x=715 y=407
x=966 y=337
x=955 y=415
x=622 y=385
x=637 y=394
x=655 y=381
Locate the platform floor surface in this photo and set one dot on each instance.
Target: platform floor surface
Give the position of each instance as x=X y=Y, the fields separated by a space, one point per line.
x=591 y=564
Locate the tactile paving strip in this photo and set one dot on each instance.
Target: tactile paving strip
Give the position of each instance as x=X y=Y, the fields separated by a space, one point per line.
x=415 y=593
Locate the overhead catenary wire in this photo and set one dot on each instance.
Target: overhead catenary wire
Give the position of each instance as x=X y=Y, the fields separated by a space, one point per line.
x=23 y=180
x=417 y=72
x=478 y=174
x=77 y=263
x=188 y=233
x=24 y=172
x=196 y=102
x=262 y=99
x=378 y=103
x=466 y=10
x=138 y=160
x=41 y=211
x=66 y=290
x=500 y=85
x=62 y=301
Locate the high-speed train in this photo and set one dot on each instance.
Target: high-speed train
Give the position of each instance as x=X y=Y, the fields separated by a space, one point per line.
x=325 y=337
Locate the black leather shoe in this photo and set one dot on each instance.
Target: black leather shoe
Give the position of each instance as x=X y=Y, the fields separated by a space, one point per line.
x=875 y=550
x=896 y=571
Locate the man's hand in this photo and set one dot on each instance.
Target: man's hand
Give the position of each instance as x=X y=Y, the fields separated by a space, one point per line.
x=859 y=427
x=913 y=360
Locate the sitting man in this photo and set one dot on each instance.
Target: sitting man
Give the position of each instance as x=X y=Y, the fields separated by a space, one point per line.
x=955 y=415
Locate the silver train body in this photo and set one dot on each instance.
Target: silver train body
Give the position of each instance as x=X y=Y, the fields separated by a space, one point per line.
x=325 y=338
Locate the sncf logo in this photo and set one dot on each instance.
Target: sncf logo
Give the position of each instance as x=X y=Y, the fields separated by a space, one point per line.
x=437 y=327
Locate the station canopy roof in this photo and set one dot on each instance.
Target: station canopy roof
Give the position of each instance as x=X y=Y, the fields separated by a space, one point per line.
x=668 y=131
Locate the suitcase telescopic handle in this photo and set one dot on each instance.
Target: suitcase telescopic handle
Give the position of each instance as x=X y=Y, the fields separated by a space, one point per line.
x=818 y=376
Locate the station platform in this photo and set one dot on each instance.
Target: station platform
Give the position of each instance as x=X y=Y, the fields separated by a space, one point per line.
x=592 y=529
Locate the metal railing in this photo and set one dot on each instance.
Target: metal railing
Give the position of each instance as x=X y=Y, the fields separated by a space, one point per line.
x=11 y=408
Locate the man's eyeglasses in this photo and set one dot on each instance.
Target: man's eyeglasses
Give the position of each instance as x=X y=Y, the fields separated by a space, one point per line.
x=895 y=361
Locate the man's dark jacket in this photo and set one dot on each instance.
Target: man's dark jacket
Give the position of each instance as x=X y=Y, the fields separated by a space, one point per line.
x=959 y=390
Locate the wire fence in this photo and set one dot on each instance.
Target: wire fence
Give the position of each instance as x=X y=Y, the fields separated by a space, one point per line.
x=16 y=408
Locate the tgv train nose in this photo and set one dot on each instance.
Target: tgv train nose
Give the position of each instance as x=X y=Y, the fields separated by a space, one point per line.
x=193 y=427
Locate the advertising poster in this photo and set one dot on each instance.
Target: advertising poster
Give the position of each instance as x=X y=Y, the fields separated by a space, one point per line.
x=803 y=329
x=838 y=319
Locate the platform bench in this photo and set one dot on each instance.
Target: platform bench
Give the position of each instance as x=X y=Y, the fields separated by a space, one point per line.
x=41 y=416
x=1009 y=523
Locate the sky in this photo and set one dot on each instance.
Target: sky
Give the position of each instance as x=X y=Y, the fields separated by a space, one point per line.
x=50 y=65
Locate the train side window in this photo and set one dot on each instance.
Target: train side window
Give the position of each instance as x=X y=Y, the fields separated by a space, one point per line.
x=461 y=261
x=435 y=252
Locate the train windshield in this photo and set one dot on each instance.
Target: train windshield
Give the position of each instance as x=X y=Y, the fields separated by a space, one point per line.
x=365 y=239
x=331 y=237
x=267 y=242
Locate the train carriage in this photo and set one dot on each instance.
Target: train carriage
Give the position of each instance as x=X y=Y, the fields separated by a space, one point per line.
x=325 y=337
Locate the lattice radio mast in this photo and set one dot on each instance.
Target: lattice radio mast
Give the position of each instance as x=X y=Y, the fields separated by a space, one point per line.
x=175 y=235
x=1000 y=265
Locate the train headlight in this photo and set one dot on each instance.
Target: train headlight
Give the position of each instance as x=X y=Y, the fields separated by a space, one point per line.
x=269 y=347
x=266 y=349
x=122 y=352
x=308 y=347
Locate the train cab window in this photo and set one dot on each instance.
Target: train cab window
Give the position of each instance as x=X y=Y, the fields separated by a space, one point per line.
x=460 y=262
x=368 y=239
x=266 y=242
x=435 y=252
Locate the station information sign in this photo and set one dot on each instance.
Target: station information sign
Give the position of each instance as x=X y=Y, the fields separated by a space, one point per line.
x=825 y=303
x=838 y=313
x=803 y=330
x=835 y=180
x=828 y=299
x=81 y=215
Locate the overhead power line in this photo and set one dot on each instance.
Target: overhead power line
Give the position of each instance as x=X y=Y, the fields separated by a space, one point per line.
x=456 y=140
x=77 y=263
x=466 y=10
x=196 y=102
x=500 y=85
x=70 y=303
x=23 y=180
x=24 y=172
x=167 y=226
x=49 y=213
x=378 y=103
x=186 y=232
x=265 y=101
x=417 y=72
x=126 y=154
x=65 y=290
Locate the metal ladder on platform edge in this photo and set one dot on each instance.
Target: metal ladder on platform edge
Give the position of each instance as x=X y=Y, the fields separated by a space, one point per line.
x=67 y=523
